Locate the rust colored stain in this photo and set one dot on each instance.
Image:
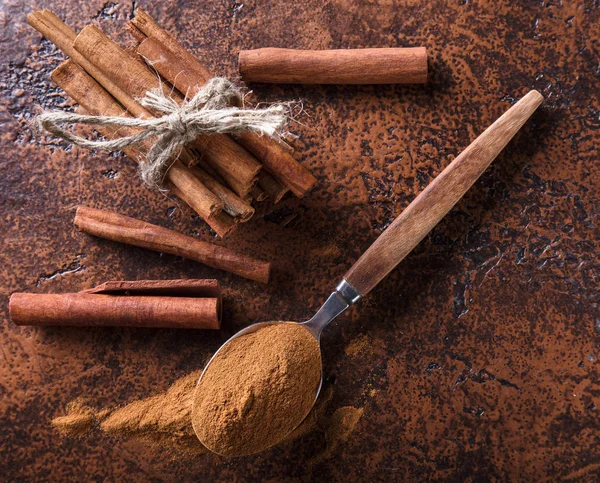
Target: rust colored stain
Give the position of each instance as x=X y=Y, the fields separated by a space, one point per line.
x=482 y=360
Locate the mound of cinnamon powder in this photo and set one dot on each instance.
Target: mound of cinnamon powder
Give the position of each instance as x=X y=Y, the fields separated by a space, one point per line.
x=258 y=388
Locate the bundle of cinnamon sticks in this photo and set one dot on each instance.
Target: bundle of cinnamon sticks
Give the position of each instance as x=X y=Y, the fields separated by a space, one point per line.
x=218 y=176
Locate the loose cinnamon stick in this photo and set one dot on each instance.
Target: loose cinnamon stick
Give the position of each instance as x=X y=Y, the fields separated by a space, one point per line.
x=124 y=229
x=344 y=66
x=208 y=288
x=85 y=309
x=228 y=158
x=89 y=94
x=187 y=74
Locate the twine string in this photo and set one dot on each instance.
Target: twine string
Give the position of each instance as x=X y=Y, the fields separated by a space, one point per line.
x=211 y=111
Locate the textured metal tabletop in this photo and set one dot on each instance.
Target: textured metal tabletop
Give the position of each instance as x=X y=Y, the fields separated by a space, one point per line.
x=476 y=359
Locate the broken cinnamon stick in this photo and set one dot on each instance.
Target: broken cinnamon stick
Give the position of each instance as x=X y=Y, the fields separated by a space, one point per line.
x=223 y=153
x=86 y=309
x=187 y=74
x=131 y=231
x=174 y=288
x=343 y=66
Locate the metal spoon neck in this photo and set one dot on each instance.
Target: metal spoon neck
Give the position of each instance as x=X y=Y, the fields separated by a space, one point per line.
x=343 y=297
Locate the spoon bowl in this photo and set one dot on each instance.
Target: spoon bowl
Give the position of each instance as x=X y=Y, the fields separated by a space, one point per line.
x=291 y=369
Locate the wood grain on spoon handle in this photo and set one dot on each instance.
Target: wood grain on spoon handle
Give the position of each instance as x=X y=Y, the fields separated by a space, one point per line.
x=432 y=204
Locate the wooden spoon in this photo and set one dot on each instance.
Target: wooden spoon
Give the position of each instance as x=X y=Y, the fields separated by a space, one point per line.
x=411 y=226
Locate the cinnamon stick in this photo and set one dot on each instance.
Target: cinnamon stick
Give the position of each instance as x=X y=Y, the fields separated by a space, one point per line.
x=187 y=74
x=207 y=168
x=85 y=310
x=233 y=205
x=208 y=288
x=258 y=194
x=279 y=162
x=273 y=188
x=228 y=158
x=89 y=94
x=143 y=25
x=124 y=229
x=343 y=66
x=221 y=223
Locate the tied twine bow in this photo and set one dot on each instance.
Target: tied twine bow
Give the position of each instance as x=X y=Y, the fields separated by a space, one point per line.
x=210 y=111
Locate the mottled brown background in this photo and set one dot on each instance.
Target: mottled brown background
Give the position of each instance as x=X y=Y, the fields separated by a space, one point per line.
x=482 y=351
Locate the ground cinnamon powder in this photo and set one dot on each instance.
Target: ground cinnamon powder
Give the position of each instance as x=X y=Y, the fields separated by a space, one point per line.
x=163 y=420
x=79 y=420
x=341 y=425
x=257 y=390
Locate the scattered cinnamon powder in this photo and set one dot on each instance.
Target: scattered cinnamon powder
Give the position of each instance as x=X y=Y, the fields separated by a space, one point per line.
x=357 y=345
x=257 y=390
x=342 y=424
x=79 y=420
x=163 y=420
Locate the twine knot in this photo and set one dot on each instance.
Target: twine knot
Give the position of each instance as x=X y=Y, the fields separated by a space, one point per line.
x=178 y=125
x=210 y=111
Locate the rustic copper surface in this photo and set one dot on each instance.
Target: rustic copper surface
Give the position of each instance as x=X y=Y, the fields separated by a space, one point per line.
x=482 y=354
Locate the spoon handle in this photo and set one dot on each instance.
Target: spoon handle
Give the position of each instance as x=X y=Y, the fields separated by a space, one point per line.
x=432 y=204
